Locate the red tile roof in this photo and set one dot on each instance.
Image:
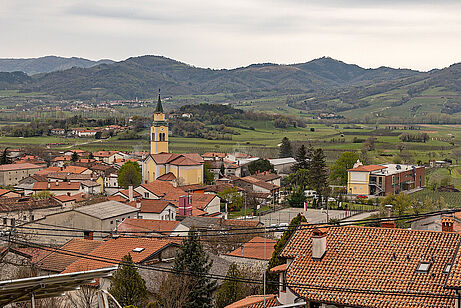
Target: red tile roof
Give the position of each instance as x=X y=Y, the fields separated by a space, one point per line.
x=12 y=167
x=116 y=249
x=373 y=267
x=185 y=159
x=367 y=168
x=164 y=190
x=48 y=170
x=256 y=301
x=167 y=177
x=140 y=225
x=279 y=268
x=151 y=205
x=254 y=249
x=58 y=261
x=126 y=193
x=77 y=197
x=104 y=153
x=214 y=154
x=56 y=186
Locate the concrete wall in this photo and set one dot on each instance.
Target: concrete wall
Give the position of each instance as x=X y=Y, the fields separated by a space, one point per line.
x=11 y=178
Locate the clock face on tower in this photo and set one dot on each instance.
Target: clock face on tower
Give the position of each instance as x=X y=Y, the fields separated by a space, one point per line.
x=161 y=129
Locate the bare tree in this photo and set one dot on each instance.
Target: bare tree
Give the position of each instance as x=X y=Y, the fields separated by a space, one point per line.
x=86 y=297
x=173 y=291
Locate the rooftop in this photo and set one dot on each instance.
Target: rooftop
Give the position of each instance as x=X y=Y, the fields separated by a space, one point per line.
x=254 y=249
x=378 y=267
x=367 y=168
x=151 y=205
x=107 y=209
x=13 y=167
x=256 y=301
x=147 y=225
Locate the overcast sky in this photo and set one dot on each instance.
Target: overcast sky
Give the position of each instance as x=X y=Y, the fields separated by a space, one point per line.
x=415 y=34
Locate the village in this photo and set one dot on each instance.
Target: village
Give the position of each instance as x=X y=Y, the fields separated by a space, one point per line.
x=271 y=232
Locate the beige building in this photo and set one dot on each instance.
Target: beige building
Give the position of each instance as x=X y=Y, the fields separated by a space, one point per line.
x=82 y=222
x=11 y=174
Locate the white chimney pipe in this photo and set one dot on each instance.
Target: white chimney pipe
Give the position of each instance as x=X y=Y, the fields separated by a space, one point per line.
x=130 y=193
x=138 y=204
x=319 y=243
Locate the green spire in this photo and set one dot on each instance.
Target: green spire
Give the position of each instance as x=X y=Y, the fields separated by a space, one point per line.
x=159 y=108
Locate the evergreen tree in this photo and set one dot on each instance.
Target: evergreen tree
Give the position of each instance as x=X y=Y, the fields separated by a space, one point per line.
x=127 y=285
x=231 y=290
x=208 y=176
x=318 y=175
x=260 y=165
x=222 y=171
x=74 y=157
x=285 y=148
x=302 y=159
x=129 y=174
x=91 y=156
x=193 y=261
x=275 y=260
x=5 y=159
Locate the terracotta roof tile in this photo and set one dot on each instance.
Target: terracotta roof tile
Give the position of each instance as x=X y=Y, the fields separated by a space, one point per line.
x=58 y=261
x=56 y=186
x=11 y=167
x=48 y=170
x=164 y=190
x=167 y=177
x=254 y=249
x=116 y=249
x=382 y=260
x=256 y=301
x=151 y=205
x=140 y=225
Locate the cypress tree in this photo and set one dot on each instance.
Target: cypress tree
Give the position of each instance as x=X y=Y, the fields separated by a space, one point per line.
x=74 y=157
x=318 y=174
x=285 y=148
x=302 y=161
x=127 y=285
x=4 y=159
x=193 y=261
x=275 y=260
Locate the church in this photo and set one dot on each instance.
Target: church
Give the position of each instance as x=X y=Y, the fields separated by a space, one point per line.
x=181 y=169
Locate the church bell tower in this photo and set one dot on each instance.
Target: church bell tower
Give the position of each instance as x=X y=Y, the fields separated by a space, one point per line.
x=159 y=130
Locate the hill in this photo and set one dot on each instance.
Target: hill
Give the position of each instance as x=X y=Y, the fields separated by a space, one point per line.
x=136 y=77
x=46 y=64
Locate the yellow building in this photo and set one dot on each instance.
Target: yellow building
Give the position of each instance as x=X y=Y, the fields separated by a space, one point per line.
x=358 y=178
x=182 y=169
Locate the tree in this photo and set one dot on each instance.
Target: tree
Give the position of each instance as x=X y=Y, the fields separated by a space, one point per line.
x=129 y=174
x=5 y=159
x=302 y=159
x=231 y=290
x=456 y=155
x=208 y=176
x=318 y=176
x=91 y=156
x=285 y=148
x=74 y=157
x=192 y=261
x=127 y=285
x=260 y=165
x=297 y=198
x=345 y=161
x=275 y=260
x=222 y=171
x=232 y=197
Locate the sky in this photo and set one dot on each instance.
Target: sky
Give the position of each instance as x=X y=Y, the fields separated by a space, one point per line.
x=416 y=34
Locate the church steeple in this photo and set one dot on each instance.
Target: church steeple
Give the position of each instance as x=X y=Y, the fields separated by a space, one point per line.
x=159 y=130
x=159 y=108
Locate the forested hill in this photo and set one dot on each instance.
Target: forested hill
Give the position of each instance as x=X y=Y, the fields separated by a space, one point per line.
x=46 y=64
x=136 y=77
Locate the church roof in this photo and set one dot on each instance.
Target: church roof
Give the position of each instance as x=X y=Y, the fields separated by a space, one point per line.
x=184 y=159
x=159 y=107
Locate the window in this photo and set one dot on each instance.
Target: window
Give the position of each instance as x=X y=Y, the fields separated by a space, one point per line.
x=111 y=222
x=447 y=268
x=146 y=195
x=423 y=267
x=138 y=249
x=5 y=221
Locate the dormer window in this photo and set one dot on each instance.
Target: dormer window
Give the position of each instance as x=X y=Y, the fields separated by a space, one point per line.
x=423 y=267
x=447 y=268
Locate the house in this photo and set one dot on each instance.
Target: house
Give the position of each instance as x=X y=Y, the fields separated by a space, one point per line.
x=354 y=266
x=160 y=190
x=385 y=179
x=265 y=186
x=17 y=210
x=95 y=221
x=31 y=160
x=127 y=195
x=445 y=222
x=11 y=174
x=136 y=225
x=283 y=165
x=212 y=156
x=91 y=187
x=218 y=166
x=68 y=201
x=186 y=167
x=58 y=131
x=61 y=161
x=56 y=188
x=6 y=193
x=255 y=253
x=107 y=157
x=205 y=223
x=155 y=209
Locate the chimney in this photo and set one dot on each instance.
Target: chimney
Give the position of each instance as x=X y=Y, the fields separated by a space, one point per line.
x=49 y=186
x=319 y=243
x=387 y=223
x=88 y=235
x=447 y=223
x=185 y=205
x=138 y=204
x=130 y=193
x=68 y=194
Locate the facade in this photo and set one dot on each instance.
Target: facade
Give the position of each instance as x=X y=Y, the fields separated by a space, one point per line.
x=159 y=130
x=155 y=209
x=11 y=174
x=383 y=180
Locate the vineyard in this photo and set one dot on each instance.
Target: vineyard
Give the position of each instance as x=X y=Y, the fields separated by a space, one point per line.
x=452 y=199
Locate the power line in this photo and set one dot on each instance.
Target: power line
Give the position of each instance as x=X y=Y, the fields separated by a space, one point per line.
x=237 y=279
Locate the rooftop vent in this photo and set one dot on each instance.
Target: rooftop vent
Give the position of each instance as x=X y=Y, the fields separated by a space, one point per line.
x=138 y=249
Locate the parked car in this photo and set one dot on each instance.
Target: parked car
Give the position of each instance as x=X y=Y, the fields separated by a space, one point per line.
x=362 y=197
